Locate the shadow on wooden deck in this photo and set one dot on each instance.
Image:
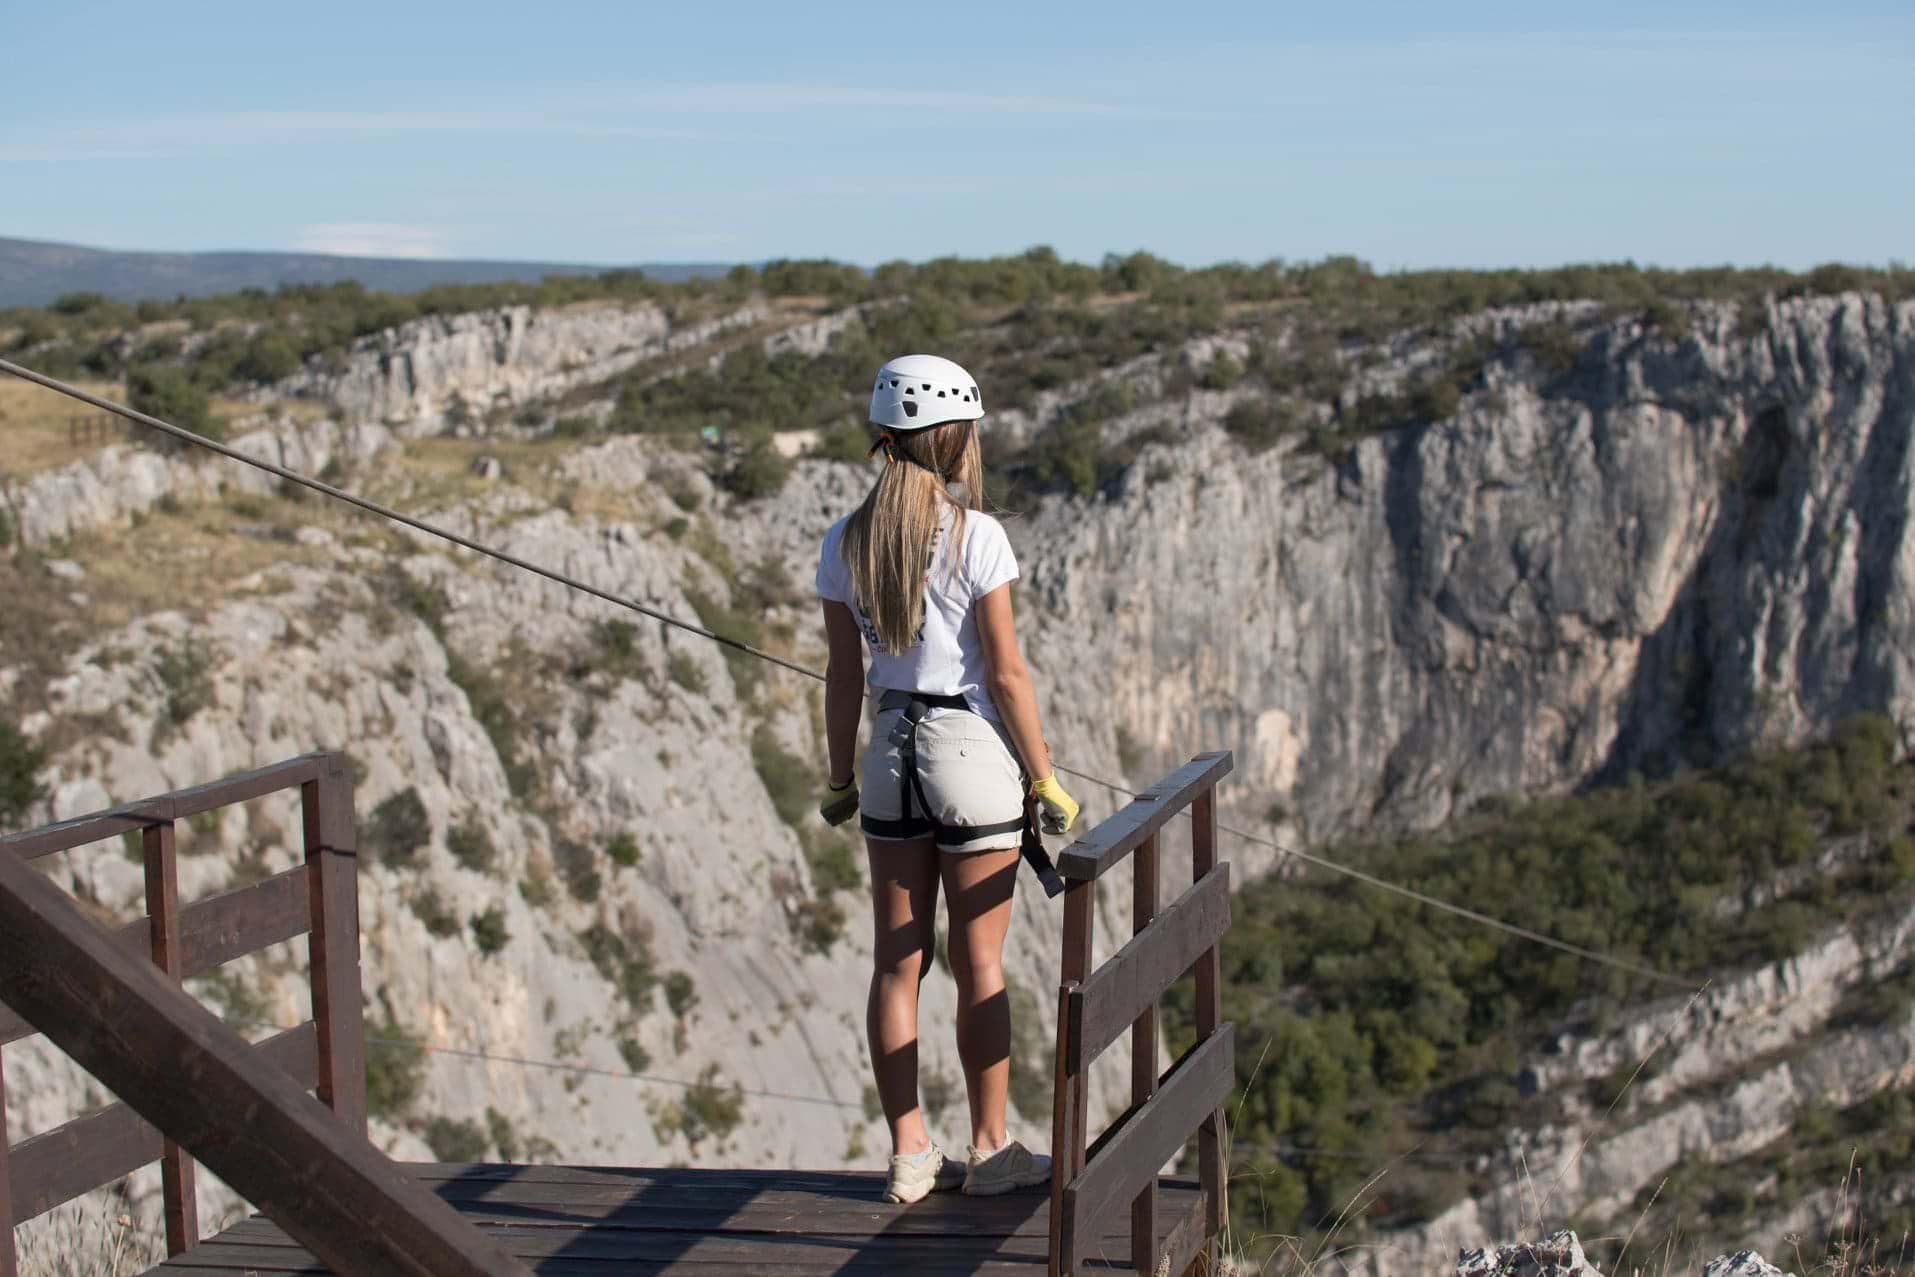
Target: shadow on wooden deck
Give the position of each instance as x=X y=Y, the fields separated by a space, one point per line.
x=564 y=1220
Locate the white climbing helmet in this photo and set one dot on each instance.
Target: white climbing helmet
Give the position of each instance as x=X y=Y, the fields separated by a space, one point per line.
x=918 y=391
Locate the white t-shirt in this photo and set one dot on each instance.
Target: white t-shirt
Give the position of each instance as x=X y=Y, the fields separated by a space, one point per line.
x=947 y=659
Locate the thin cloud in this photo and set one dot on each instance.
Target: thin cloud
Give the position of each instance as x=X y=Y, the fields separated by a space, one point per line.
x=644 y=114
x=779 y=99
x=370 y=239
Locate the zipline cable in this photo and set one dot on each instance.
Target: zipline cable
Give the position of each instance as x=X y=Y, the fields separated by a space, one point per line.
x=386 y=512
x=560 y=578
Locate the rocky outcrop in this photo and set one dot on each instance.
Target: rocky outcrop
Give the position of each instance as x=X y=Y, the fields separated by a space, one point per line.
x=1561 y=1255
x=1718 y=1076
x=120 y=482
x=412 y=376
x=1558 y=1255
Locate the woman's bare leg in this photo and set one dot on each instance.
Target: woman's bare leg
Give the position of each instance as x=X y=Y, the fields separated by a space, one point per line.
x=904 y=897
x=977 y=890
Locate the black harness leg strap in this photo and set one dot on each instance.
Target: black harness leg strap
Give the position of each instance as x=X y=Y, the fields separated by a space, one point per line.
x=1031 y=847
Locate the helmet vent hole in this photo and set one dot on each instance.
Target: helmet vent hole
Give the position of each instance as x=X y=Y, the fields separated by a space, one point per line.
x=910 y=408
x=927 y=385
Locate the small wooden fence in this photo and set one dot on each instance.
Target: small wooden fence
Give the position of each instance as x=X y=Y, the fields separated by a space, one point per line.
x=1094 y=1007
x=242 y=1108
x=84 y=429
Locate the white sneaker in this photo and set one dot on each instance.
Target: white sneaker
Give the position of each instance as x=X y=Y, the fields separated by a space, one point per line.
x=1011 y=1167
x=911 y=1179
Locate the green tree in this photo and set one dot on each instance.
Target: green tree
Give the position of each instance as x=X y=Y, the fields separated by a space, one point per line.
x=166 y=392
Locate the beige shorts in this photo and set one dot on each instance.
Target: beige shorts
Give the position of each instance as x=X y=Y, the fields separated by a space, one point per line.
x=969 y=775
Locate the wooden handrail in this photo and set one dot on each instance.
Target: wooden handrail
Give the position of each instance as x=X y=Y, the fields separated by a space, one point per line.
x=131 y=818
x=201 y=1085
x=318 y=899
x=1096 y=1006
x=1105 y=847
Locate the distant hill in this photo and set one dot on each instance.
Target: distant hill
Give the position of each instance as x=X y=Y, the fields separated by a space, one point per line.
x=34 y=272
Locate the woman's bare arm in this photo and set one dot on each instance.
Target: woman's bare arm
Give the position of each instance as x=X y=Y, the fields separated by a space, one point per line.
x=1010 y=681
x=844 y=689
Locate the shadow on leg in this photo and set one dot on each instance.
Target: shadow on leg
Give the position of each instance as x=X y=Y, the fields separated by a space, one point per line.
x=978 y=886
x=904 y=898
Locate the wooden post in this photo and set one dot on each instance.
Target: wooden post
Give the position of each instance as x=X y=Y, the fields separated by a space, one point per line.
x=1210 y=1168
x=1143 y=1060
x=332 y=866
x=1070 y=1101
x=178 y=1186
x=9 y=1265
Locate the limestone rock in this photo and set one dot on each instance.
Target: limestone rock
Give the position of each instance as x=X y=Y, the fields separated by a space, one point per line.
x=412 y=376
x=1558 y=1255
x=1744 y=1263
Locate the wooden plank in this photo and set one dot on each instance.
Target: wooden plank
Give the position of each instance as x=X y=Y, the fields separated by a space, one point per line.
x=217 y=929
x=1143 y=1051
x=213 y=931
x=1106 y=846
x=79 y=1156
x=132 y=817
x=333 y=940
x=179 y=1194
x=1069 y=1096
x=199 y=1082
x=9 y=1262
x=734 y=1247
x=1209 y=1014
x=1128 y=1155
x=1130 y=980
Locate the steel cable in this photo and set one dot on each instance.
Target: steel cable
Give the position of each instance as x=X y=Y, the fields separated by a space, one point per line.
x=560 y=578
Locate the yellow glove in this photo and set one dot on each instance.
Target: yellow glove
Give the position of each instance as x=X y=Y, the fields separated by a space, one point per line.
x=1057 y=810
x=840 y=802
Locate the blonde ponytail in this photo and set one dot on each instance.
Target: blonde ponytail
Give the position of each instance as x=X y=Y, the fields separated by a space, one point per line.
x=890 y=540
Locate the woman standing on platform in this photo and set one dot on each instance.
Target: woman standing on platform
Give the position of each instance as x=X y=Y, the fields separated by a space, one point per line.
x=920 y=576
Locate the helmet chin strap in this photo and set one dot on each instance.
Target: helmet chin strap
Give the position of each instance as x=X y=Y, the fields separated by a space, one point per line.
x=888 y=444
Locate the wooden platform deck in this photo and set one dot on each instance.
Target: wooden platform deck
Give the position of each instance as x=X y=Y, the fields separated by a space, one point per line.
x=597 y=1221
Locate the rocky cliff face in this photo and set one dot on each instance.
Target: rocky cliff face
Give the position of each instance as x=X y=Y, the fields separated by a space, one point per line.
x=410 y=376
x=1667 y=550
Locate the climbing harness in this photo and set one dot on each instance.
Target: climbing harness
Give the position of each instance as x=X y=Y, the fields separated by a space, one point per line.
x=915 y=705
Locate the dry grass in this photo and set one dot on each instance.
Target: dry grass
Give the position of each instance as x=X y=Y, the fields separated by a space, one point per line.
x=33 y=420
x=94 y=1243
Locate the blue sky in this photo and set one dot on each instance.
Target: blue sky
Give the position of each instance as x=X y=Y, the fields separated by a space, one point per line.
x=1470 y=133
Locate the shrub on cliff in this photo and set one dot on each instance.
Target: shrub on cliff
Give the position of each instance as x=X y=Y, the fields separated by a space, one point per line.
x=169 y=393
x=20 y=764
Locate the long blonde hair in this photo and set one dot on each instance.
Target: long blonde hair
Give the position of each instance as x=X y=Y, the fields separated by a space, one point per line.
x=890 y=539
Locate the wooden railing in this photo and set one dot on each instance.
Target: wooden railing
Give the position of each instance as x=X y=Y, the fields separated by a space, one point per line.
x=240 y=1108
x=1094 y=1007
